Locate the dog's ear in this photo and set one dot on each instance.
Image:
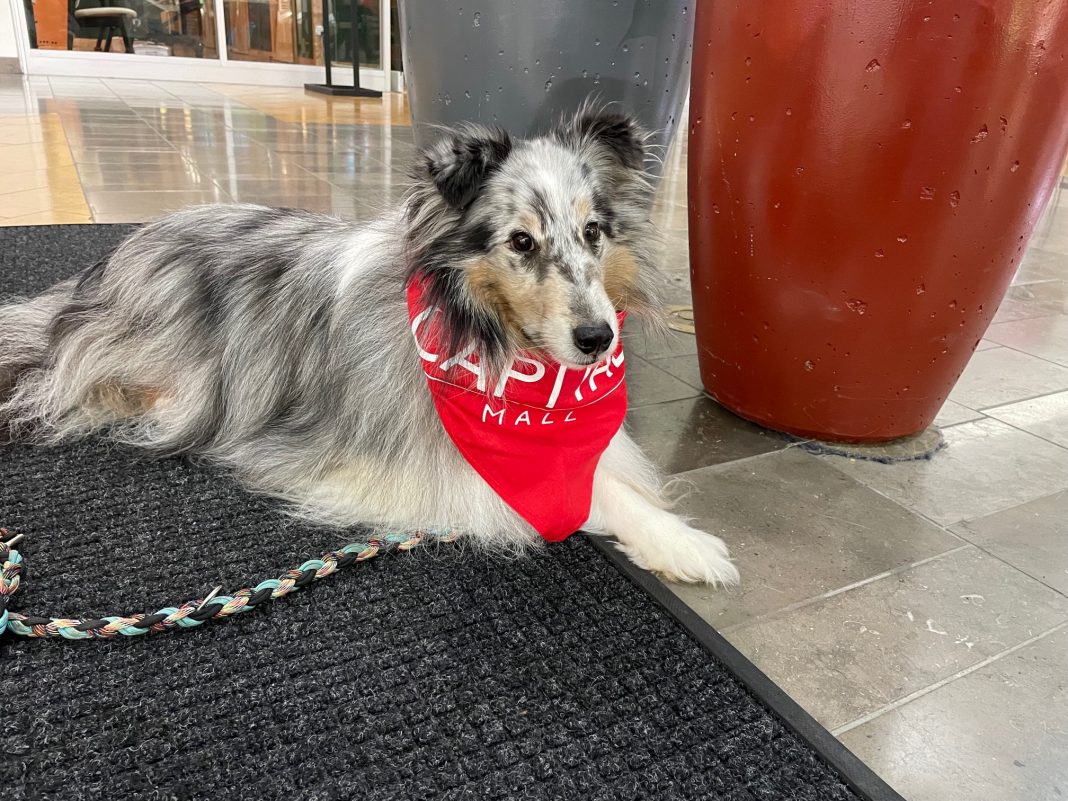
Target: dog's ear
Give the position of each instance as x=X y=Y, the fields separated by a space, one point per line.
x=460 y=162
x=618 y=133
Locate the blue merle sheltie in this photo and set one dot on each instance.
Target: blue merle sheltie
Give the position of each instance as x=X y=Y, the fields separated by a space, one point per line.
x=278 y=343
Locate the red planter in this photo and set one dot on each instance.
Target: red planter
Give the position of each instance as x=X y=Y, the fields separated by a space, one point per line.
x=863 y=179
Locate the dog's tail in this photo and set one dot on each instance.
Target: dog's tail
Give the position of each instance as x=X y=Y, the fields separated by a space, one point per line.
x=26 y=326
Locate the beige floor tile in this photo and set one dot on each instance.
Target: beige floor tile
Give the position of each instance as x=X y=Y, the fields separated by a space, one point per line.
x=37 y=155
x=953 y=413
x=22 y=135
x=118 y=206
x=49 y=218
x=1041 y=265
x=1000 y=375
x=798 y=529
x=1035 y=299
x=696 y=432
x=648 y=384
x=1045 y=417
x=986 y=466
x=682 y=367
x=1032 y=537
x=1045 y=337
x=999 y=733
x=35 y=179
x=850 y=655
x=126 y=177
x=62 y=198
x=151 y=160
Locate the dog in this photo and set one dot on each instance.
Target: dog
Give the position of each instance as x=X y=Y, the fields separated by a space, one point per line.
x=278 y=343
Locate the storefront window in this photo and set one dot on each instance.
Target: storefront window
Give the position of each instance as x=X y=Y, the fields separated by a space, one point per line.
x=279 y=31
x=283 y=31
x=147 y=27
x=273 y=31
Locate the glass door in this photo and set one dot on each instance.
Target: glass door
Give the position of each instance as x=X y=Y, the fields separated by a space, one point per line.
x=183 y=28
x=279 y=31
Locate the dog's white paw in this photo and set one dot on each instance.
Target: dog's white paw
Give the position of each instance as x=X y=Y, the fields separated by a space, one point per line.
x=684 y=554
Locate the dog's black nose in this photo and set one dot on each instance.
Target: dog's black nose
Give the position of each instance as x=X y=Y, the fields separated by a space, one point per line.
x=593 y=338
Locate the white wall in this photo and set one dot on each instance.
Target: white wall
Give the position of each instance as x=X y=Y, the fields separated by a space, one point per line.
x=8 y=49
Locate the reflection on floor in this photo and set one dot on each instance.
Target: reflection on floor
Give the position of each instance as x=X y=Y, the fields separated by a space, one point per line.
x=920 y=611
x=81 y=150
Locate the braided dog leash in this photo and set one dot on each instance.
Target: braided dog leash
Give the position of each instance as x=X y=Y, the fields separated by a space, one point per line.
x=192 y=613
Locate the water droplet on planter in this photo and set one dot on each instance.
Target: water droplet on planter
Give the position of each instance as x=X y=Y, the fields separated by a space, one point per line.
x=448 y=100
x=927 y=193
x=1015 y=166
x=980 y=135
x=1004 y=124
x=902 y=239
x=906 y=124
x=625 y=47
x=810 y=366
x=748 y=61
x=477 y=19
x=857 y=305
x=921 y=289
x=800 y=170
x=789 y=111
x=954 y=199
x=873 y=66
x=879 y=254
x=596 y=42
x=548 y=84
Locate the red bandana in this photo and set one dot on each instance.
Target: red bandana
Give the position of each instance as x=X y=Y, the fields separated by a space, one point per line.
x=536 y=436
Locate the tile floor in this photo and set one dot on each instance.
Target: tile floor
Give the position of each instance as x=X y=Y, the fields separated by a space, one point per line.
x=919 y=611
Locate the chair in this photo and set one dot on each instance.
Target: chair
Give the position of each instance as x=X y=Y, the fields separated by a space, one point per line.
x=108 y=20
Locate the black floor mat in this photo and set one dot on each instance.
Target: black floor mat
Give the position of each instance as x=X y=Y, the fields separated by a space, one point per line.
x=437 y=674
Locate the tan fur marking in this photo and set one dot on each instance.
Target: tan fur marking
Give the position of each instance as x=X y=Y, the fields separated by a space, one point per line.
x=497 y=289
x=517 y=298
x=123 y=401
x=621 y=278
x=584 y=210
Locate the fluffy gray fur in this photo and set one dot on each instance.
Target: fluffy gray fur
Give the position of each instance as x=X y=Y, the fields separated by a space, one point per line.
x=276 y=342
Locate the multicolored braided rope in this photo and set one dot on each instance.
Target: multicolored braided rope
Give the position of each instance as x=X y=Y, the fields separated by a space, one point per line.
x=192 y=613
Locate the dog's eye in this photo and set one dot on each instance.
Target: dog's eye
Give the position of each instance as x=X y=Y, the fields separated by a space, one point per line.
x=592 y=233
x=522 y=242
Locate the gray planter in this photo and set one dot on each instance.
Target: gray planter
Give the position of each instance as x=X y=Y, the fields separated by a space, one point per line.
x=520 y=63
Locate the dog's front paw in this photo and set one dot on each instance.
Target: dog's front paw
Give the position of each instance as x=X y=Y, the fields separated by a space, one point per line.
x=684 y=554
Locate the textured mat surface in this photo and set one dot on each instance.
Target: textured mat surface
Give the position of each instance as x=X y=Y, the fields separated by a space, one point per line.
x=430 y=675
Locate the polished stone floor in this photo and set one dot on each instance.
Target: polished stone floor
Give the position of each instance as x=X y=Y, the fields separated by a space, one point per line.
x=918 y=610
